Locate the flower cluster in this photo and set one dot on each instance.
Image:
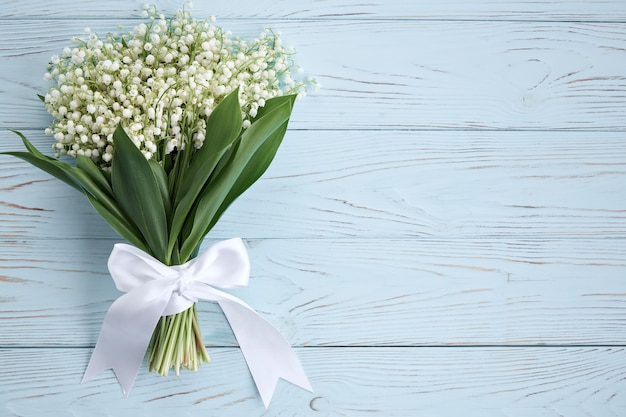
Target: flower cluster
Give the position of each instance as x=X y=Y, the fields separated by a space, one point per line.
x=160 y=81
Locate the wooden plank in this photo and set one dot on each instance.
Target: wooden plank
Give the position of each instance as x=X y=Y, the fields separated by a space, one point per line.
x=612 y=10
x=348 y=382
x=338 y=292
x=380 y=184
x=437 y=75
x=419 y=268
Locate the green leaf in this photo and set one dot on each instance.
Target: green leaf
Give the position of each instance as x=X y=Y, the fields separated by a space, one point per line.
x=273 y=103
x=261 y=159
x=95 y=174
x=102 y=200
x=161 y=178
x=257 y=166
x=119 y=224
x=57 y=169
x=31 y=148
x=138 y=193
x=90 y=180
x=42 y=98
x=262 y=136
x=223 y=127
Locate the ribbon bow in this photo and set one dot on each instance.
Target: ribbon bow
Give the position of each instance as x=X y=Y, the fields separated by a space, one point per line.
x=154 y=290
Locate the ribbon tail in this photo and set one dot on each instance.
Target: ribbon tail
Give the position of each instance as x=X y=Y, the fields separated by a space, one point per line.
x=125 y=335
x=268 y=354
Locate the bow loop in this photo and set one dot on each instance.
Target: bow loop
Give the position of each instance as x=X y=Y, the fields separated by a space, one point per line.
x=131 y=267
x=225 y=265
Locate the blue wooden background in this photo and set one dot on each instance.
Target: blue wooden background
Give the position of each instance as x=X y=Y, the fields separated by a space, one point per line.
x=443 y=232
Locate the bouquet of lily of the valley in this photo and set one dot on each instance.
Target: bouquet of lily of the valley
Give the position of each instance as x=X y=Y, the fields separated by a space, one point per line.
x=169 y=123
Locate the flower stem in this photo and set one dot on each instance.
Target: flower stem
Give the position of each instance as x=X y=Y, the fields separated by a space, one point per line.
x=177 y=342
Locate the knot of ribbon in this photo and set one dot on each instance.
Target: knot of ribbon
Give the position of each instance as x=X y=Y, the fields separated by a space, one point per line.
x=184 y=279
x=153 y=289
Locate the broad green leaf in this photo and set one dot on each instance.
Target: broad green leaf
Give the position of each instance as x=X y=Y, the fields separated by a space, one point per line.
x=119 y=224
x=99 y=189
x=223 y=127
x=96 y=174
x=59 y=170
x=257 y=166
x=272 y=103
x=107 y=202
x=216 y=192
x=261 y=159
x=87 y=178
x=226 y=158
x=31 y=148
x=224 y=162
x=161 y=178
x=138 y=194
x=54 y=167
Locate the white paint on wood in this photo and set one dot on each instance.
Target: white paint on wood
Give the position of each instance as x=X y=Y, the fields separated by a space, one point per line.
x=590 y=10
x=381 y=184
x=403 y=219
x=385 y=382
x=360 y=292
x=396 y=74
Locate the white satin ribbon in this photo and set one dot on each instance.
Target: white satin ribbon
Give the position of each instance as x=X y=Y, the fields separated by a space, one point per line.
x=154 y=290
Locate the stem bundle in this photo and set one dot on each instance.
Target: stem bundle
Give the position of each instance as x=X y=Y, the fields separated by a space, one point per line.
x=177 y=342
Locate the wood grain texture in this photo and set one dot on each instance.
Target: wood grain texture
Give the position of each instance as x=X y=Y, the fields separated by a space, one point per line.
x=359 y=292
x=353 y=382
x=591 y=10
x=396 y=74
x=443 y=232
x=381 y=184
